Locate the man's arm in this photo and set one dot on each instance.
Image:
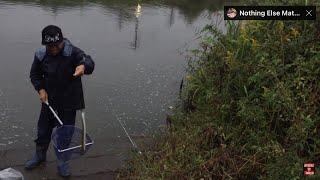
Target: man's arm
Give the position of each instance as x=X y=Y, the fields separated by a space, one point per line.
x=36 y=74
x=37 y=80
x=84 y=59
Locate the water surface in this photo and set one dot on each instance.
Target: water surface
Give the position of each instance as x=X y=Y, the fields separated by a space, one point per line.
x=137 y=47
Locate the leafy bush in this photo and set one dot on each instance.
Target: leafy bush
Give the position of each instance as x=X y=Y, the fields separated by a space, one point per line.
x=251 y=107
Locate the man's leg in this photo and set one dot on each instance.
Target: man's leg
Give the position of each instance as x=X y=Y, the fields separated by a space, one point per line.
x=44 y=130
x=68 y=118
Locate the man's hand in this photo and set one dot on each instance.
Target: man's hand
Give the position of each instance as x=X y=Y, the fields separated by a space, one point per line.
x=79 y=71
x=43 y=95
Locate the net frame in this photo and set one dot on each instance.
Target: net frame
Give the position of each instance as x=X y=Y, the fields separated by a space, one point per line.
x=62 y=153
x=62 y=135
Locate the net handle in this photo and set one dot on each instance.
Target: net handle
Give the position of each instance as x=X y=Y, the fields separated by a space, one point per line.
x=54 y=113
x=84 y=130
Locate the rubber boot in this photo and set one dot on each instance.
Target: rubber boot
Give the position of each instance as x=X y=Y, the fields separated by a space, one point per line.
x=63 y=168
x=38 y=157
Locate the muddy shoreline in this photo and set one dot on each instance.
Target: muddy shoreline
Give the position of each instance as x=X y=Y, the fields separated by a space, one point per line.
x=101 y=162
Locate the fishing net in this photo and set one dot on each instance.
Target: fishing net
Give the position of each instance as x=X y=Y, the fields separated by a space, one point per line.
x=68 y=142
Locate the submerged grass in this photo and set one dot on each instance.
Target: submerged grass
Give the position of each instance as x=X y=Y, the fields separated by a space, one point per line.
x=250 y=107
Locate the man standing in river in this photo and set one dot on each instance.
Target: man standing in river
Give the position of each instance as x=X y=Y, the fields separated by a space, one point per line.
x=56 y=75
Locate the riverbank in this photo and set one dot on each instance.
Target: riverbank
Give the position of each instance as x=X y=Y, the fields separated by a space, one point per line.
x=250 y=107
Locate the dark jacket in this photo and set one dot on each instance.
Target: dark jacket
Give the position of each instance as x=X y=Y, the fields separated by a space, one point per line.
x=55 y=75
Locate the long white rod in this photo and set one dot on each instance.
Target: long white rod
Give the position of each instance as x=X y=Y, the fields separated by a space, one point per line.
x=84 y=130
x=54 y=113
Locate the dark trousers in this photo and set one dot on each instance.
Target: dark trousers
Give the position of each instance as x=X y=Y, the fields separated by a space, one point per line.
x=47 y=122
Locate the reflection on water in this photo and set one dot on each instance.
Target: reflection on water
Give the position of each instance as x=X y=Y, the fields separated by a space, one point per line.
x=190 y=9
x=136 y=46
x=138 y=11
x=136 y=29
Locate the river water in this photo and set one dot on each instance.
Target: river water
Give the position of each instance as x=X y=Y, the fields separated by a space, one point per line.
x=138 y=47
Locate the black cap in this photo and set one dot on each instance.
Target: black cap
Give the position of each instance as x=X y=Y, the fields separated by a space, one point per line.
x=51 y=34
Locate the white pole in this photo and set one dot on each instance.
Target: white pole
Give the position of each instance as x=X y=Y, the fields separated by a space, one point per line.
x=54 y=113
x=84 y=131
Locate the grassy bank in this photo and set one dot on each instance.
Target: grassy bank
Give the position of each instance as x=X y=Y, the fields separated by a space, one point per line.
x=251 y=107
